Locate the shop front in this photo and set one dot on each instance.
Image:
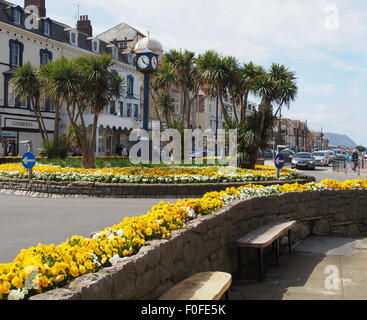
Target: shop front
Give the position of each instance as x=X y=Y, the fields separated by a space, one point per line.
x=113 y=134
x=14 y=130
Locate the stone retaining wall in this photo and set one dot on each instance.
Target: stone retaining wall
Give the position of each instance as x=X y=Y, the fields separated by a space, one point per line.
x=208 y=243
x=113 y=190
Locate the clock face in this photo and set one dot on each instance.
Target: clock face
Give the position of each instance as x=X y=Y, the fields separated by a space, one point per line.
x=143 y=62
x=154 y=62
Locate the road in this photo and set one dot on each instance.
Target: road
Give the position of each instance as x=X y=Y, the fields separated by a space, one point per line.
x=326 y=173
x=27 y=221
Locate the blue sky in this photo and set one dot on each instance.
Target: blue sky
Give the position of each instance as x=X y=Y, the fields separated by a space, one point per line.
x=323 y=41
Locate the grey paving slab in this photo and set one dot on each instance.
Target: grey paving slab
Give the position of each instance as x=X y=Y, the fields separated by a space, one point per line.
x=326 y=245
x=321 y=268
x=307 y=289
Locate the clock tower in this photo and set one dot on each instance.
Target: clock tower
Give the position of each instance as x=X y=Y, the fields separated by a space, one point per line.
x=147 y=52
x=146 y=61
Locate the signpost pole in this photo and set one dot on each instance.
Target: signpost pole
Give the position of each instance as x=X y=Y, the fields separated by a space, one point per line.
x=279 y=163
x=29 y=161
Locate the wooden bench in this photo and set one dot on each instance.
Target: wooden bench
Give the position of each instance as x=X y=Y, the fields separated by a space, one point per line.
x=262 y=238
x=201 y=286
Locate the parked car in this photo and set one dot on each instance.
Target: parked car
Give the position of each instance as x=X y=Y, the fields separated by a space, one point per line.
x=287 y=154
x=201 y=153
x=303 y=160
x=339 y=154
x=332 y=156
x=268 y=154
x=321 y=158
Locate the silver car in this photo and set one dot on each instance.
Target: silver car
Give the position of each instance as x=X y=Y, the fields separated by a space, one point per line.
x=321 y=158
x=303 y=160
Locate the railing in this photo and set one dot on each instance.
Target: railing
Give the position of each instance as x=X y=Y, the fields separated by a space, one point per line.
x=339 y=166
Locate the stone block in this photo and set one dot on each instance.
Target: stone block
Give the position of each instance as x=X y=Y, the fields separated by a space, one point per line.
x=321 y=227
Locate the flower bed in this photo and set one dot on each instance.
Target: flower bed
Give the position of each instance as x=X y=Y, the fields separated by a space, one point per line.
x=44 y=268
x=169 y=175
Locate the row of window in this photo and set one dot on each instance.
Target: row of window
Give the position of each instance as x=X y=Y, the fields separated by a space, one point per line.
x=13 y=101
x=46 y=27
x=16 y=49
x=130 y=111
x=249 y=107
x=18 y=19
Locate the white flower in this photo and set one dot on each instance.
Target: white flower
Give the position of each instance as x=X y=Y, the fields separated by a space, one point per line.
x=96 y=236
x=116 y=260
x=120 y=233
x=16 y=295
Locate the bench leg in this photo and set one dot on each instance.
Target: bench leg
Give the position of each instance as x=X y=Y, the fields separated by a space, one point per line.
x=226 y=297
x=290 y=242
x=239 y=261
x=261 y=263
x=277 y=251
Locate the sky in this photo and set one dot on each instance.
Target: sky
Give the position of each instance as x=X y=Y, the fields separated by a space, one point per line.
x=322 y=41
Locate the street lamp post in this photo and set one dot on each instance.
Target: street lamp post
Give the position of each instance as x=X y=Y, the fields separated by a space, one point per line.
x=148 y=51
x=147 y=62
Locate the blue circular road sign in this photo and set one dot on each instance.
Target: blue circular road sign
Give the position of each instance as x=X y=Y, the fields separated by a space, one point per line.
x=29 y=160
x=279 y=161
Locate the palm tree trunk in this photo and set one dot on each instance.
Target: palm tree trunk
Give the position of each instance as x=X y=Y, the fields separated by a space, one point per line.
x=234 y=111
x=188 y=111
x=279 y=107
x=183 y=107
x=156 y=110
x=56 y=126
x=89 y=161
x=36 y=115
x=244 y=108
x=224 y=111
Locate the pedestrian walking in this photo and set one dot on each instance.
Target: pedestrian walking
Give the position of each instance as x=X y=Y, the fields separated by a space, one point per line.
x=355 y=160
x=348 y=159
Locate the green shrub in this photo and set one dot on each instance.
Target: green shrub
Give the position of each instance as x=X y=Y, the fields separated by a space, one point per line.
x=55 y=149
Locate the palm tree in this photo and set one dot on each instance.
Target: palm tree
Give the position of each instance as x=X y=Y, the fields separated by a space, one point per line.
x=214 y=72
x=250 y=139
x=162 y=81
x=287 y=87
x=46 y=71
x=249 y=73
x=63 y=80
x=234 y=83
x=184 y=64
x=27 y=86
x=276 y=86
x=81 y=83
x=99 y=86
x=166 y=104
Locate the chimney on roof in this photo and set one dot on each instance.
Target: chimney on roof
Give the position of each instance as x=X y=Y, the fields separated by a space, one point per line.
x=84 y=25
x=40 y=4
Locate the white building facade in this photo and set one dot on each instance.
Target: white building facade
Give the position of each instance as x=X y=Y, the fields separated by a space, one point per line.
x=50 y=40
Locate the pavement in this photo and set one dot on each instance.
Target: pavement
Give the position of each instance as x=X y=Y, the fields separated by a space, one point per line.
x=27 y=221
x=320 y=268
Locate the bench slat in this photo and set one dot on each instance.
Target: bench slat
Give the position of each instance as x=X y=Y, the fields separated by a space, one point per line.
x=265 y=235
x=201 y=286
